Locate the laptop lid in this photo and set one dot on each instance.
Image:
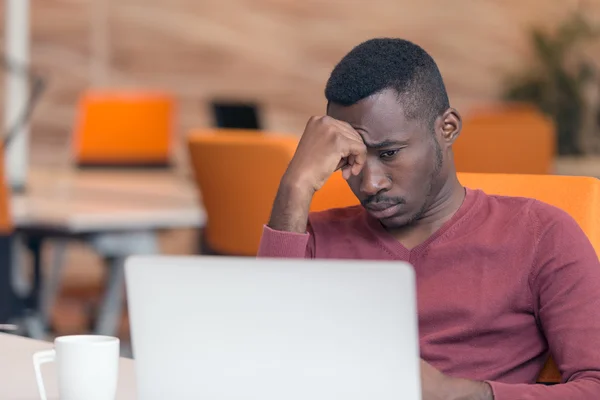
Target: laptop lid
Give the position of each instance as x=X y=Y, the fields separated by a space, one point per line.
x=242 y=328
x=235 y=115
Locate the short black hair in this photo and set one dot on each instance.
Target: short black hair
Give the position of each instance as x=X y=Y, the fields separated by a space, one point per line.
x=384 y=63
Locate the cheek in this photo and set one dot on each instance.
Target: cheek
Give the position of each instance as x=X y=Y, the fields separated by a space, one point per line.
x=411 y=174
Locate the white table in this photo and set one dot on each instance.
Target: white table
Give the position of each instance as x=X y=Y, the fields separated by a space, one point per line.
x=77 y=201
x=117 y=212
x=17 y=378
x=578 y=166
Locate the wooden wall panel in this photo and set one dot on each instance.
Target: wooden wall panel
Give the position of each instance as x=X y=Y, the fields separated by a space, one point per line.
x=277 y=52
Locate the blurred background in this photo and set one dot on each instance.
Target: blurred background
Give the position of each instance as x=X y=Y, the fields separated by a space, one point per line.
x=134 y=111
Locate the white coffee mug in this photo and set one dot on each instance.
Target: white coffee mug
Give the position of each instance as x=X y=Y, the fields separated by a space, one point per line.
x=87 y=367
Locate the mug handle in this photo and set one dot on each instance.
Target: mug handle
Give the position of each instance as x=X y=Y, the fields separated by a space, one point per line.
x=39 y=358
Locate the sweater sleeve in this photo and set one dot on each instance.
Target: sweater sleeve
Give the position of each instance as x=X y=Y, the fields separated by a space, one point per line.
x=565 y=288
x=281 y=244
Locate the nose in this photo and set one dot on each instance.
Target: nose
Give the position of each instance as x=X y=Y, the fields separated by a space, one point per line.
x=373 y=179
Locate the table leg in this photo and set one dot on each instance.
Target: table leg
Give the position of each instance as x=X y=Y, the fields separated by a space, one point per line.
x=33 y=322
x=9 y=306
x=32 y=300
x=110 y=312
x=52 y=283
x=115 y=248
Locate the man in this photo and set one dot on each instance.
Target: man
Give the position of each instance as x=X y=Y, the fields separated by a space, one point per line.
x=502 y=282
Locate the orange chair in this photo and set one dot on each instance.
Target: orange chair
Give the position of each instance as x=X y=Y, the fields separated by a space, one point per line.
x=122 y=128
x=513 y=139
x=238 y=177
x=6 y=223
x=578 y=196
x=8 y=299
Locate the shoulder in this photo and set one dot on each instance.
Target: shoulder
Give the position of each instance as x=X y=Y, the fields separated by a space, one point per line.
x=509 y=204
x=503 y=212
x=557 y=231
x=541 y=217
x=540 y=211
x=555 y=234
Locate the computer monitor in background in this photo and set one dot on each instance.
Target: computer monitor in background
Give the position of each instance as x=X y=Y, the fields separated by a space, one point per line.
x=236 y=115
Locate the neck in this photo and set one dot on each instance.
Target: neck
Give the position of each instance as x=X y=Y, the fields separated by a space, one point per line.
x=443 y=205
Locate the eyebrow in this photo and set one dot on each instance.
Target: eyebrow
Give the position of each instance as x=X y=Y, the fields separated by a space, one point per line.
x=384 y=144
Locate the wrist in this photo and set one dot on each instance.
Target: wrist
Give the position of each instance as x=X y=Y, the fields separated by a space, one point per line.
x=296 y=188
x=291 y=206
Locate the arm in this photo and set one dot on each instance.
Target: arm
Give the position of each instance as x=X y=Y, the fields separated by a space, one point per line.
x=288 y=234
x=437 y=386
x=565 y=286
x=326 y=145
x=280 y=244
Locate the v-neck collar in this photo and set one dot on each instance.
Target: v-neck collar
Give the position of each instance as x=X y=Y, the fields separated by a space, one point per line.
x=398 y=249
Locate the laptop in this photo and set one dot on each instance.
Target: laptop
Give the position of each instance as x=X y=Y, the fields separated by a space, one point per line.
x=236 y=115
x=225 y=328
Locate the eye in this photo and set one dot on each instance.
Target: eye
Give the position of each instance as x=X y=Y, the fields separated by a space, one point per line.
x=388 y=153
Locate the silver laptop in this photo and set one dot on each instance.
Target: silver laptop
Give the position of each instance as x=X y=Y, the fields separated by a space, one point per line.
x=225 y=328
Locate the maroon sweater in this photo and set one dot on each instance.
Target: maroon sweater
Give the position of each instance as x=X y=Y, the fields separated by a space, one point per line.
x=503 y=283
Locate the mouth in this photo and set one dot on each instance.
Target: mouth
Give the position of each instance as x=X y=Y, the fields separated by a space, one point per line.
x=383 y=211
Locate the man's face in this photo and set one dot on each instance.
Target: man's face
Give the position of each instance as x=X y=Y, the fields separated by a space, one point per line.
x=405 y=163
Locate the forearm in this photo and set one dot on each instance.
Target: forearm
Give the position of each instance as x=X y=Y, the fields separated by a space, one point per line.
x=584 y=388
x=286 y=235
x=291 y=207
x=280 y=244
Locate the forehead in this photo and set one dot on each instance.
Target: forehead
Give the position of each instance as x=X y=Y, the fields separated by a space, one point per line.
x=378 y=117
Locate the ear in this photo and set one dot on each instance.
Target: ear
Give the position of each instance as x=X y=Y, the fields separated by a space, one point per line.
x=449 y=126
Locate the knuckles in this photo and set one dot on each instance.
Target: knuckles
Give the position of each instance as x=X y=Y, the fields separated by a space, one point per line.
x=325 y=126
x=328 y=130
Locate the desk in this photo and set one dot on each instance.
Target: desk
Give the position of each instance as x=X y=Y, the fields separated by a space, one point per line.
x=578 y=166
x=18 y=377
x=117 y=212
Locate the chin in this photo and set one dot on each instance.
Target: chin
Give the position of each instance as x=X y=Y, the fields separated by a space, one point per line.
x=399 y=221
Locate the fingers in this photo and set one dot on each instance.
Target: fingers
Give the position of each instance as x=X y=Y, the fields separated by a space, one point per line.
x=347 y=172
x=350 y=132
x=356 y=168
x=343 y=162
x=356 y=157
x=350 y=160
x=347 y=169
x=344 y=128
x=352 y=157
x=344 y=140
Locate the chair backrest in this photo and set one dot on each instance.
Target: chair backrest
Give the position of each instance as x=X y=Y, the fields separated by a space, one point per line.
x=506 y=139
x=123 y=128
x=6 y=222
x=9 y=307
x=238 y=176
x=578 y=196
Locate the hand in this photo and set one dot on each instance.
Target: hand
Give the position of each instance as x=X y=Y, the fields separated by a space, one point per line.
x=437 y=386
x=326 y=145
x=433 y=383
